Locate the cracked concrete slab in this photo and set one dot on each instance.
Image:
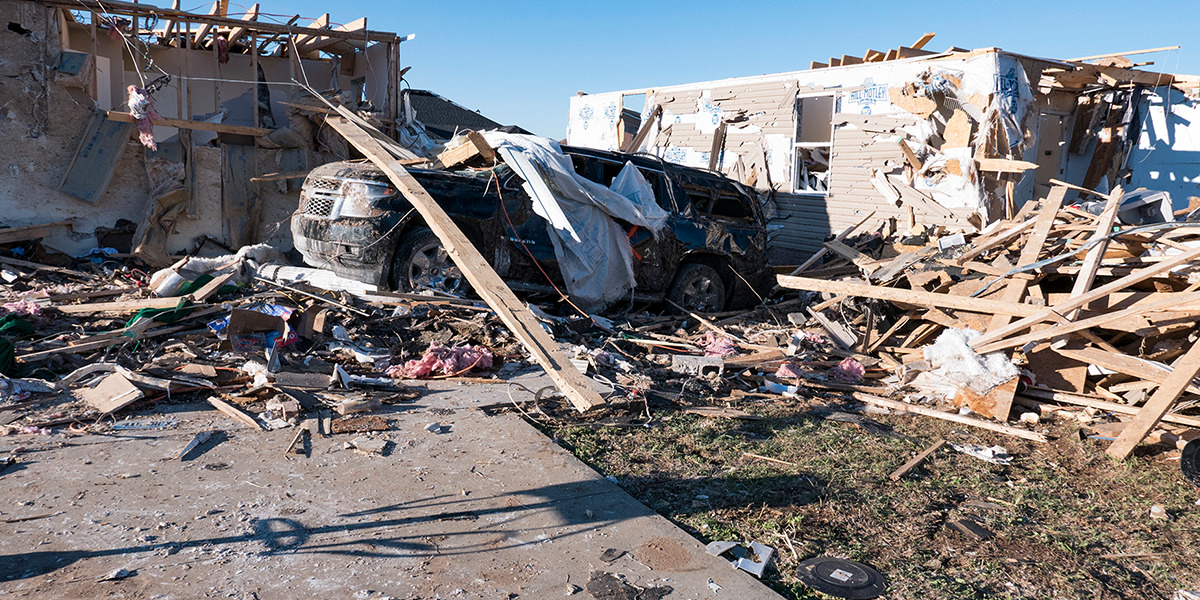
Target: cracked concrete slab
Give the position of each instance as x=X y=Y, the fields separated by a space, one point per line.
x=492 y=509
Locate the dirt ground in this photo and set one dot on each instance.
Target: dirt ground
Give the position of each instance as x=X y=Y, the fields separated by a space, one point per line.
x=489 y=508
x=1065 y=520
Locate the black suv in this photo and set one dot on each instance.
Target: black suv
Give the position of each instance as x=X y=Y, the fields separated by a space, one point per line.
x=353 y=221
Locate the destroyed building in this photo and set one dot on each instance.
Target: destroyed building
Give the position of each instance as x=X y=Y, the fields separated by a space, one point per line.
x=231 y=137
x=960 y=138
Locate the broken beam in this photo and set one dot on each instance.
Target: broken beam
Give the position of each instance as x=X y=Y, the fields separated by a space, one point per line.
x=116 y=115
x=483 y=279
x=915 y=297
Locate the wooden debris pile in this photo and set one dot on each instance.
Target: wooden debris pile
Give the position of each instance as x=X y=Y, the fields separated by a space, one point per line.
x=1081 y=308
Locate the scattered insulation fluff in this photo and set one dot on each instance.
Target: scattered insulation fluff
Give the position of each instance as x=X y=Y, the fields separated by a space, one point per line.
x=440 y=360
x=790 y=370
x=952 y=358
x=22 y=308
x=141 y=107
x=849 y=370
x=717 y=345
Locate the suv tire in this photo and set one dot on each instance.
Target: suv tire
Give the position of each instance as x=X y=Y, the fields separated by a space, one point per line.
x=421 y=261
x=698 y=288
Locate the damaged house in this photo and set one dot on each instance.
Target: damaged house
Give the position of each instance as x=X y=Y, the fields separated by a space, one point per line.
x=960 y=138
x=226 y=134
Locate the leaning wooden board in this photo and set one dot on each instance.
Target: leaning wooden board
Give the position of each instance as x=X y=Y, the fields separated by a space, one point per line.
x=479 y=273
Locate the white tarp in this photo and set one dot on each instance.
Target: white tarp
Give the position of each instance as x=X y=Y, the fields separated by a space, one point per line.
x=593 y=252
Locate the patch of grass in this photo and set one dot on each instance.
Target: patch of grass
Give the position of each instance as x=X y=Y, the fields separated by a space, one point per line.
x=1056 y=511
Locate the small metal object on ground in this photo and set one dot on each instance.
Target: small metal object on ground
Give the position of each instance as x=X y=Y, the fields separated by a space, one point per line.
x=842 y=578
x=697 y=365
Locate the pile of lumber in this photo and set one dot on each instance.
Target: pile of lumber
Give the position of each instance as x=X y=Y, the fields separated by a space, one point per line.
x=1096 y=313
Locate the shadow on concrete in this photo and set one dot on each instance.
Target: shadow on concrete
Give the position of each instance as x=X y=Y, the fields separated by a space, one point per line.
x=463 y=525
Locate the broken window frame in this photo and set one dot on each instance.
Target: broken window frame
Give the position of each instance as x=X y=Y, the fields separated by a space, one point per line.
x=800 y=172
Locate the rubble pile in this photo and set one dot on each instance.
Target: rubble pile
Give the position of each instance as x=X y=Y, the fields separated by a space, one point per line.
x=1057 y=312
x=1090 y=305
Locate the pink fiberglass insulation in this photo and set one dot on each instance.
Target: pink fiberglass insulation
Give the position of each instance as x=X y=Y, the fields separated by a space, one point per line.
x=440 y=360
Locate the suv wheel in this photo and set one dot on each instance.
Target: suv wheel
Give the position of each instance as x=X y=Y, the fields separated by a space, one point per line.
x=698 y=288
x=421 y=262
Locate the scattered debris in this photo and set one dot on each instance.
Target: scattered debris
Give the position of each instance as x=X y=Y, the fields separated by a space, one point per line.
x=994 y=454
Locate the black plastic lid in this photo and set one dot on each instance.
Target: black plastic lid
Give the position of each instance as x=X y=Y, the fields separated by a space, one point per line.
x=842 y=578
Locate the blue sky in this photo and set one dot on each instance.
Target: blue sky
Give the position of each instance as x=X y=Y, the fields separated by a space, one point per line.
x=519 y=62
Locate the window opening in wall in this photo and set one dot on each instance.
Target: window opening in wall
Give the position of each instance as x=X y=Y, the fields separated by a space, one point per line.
x=632 y=106
x=359 y=86
x=814 y=137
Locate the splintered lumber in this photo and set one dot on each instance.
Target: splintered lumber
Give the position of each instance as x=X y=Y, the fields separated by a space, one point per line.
x=1100 y=292
x=1007 y=235
x=124 y=117
x=113 y=393
x=1004 y=165
x=483 y=279
x=812 y=260
x=914 y=297
x=1171 y=301
x=473 y=146
x=1091 y=263
x=234 y=412
x=643 y=131
x=126 y=306
x=1158 y=404
x=1029 y=254
x=916 y=460
x=1122 y=363
x=9 y=235
x=953 y=417
x=1125 y=409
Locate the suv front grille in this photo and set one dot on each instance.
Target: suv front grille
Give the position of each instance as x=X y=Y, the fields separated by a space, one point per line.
x=319 y=183
x=318 y=206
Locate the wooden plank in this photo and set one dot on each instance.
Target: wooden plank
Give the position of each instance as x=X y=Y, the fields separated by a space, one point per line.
x=1158 y=404
x=643 y=130
x=1125 y=409
x=235 y=413
x=320 y=43
x=952 y=417
x=236 y=34
x=285 y=28
x=1049 y=313
x=1004 y=165
x=1091 y=262
x=483 y=279
x=473 y=146
x=924 y=39
x=95 y=159
x=914 y=297
x=916 y=460
x=1015 y=290
x=112 y=393
x=321 y=23
x=1174 y=302
x=718 y=146
x=983 y=245
x=1129 y=53
x=124 y=117
x=860 y=260
x=1123 y=363
x=28 y=232
x=125 y=306
x=910 y=156
x=839 y=237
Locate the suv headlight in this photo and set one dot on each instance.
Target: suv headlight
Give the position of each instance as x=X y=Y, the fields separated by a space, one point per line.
x=360 y=199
